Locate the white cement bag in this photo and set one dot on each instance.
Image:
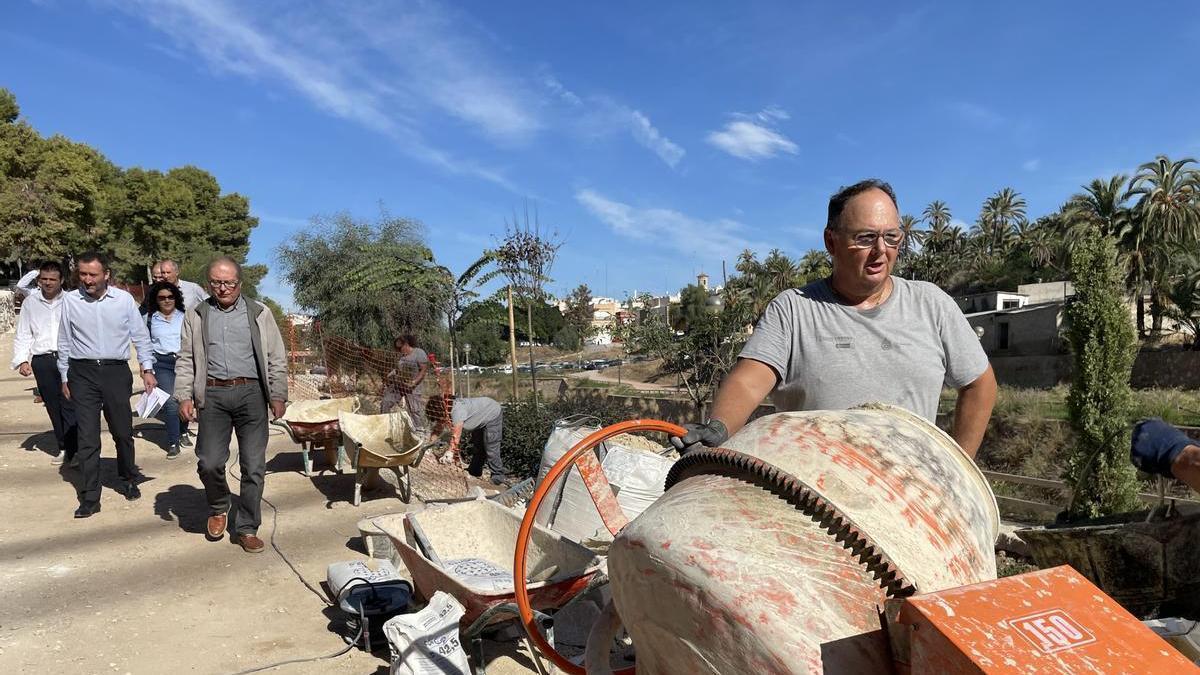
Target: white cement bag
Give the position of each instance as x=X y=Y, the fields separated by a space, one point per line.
x=636 y=475
x=567 y=432
x=427 y=642
x=640 y=477
x=480 y=575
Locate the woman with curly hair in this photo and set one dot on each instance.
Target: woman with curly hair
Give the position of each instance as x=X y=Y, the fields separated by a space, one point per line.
x=166 y=325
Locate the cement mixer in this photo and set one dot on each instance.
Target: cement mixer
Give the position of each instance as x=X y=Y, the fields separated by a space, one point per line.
x=788 y=549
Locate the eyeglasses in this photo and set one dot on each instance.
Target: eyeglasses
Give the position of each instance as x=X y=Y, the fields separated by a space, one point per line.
x=223 y=284
x=891 y=239
x=161 y=298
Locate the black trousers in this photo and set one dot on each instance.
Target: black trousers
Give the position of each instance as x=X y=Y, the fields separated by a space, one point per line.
x=60 y=410
x=99 y=387
x=239 y=409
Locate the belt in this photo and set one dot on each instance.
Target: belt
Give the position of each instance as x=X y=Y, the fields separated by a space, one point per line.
x=101 y=362
x=216 y=382
x=51 y=355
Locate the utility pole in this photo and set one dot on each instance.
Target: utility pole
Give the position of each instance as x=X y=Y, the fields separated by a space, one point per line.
x=512 y=341
x=467 y=358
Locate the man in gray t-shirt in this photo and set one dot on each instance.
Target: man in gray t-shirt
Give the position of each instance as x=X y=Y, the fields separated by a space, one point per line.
x=481 y=416
x=860 y=336
x=830 y=356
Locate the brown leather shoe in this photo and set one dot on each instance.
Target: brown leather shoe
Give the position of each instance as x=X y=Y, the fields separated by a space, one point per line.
x=251 y=543
x=216 y=526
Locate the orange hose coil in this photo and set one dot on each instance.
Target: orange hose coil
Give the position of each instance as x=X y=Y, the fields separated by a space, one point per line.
x=557 y=471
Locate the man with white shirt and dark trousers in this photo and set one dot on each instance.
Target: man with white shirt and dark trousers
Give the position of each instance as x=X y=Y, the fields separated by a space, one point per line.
x=97 y=325
x=35 y=352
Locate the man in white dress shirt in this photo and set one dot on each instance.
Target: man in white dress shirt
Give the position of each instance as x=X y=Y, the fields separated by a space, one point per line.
x=98 y=323
x=35 y=352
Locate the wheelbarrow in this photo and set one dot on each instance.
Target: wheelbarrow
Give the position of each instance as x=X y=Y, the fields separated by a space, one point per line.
x=466 y=550
x=388 y=441
x=315 y=423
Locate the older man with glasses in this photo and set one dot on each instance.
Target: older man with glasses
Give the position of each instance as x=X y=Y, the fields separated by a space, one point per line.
x=859 y=336
x=232 y=368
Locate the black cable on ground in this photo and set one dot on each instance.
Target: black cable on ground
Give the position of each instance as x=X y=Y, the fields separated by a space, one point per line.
x=269 y=666
x=310 y=587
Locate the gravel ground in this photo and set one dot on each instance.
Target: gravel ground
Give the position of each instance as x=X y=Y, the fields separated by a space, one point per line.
x=138 y=589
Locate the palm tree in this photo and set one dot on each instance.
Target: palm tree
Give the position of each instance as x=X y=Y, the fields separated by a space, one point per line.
x=1166 y=213
x=814 y=264
x=1102 y=203
x=937 y=214
x=999 y=217
x=908 y=225
x=781 y=270
x=1184 y=294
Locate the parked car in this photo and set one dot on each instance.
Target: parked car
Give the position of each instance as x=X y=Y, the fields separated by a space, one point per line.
x=470 y=367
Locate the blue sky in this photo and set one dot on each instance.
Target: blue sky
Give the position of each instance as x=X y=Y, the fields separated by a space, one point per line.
x=657 y=138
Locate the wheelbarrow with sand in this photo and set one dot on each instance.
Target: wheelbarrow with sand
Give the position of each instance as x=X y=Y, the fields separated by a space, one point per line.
x=314 y=424
x=466 y=550
x=388 y=441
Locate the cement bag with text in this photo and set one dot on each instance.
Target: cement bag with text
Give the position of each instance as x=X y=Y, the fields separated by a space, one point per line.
x=427 y=642
x=637 y=474
x=566 y=433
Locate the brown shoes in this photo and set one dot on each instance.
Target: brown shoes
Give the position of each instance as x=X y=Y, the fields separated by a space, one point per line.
x=251 y=543
x=216 y=526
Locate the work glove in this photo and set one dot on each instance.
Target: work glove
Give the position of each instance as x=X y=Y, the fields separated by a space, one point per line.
x=709 y=434
x=1155 y=446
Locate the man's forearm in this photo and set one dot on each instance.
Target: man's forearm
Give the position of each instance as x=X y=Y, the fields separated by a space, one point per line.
x=1186 y=467
x=972 y=412
x=741 y=393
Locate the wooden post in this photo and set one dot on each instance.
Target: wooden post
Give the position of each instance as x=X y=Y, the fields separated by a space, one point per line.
x=512 y=342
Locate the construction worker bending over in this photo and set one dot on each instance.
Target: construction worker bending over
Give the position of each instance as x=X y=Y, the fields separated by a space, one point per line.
x=481 y=416
x=859 y=336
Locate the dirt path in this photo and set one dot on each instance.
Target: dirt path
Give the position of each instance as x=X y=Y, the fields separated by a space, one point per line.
x=138 y=589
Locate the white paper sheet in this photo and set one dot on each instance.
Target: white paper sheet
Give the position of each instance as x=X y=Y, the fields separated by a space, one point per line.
x=150 y=403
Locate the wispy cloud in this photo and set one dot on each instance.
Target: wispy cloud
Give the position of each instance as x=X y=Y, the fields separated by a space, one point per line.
x=714 y=239
x=323 y=62
x=606 y=115
x=645 y=133
x=754 y=137
x=1032 y=164
x=976 y=115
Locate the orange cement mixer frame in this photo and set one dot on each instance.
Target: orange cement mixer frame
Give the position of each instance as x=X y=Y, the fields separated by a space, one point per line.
x=606 y=504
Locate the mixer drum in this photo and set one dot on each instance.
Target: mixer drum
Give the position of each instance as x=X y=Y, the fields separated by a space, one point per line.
x=776 y=553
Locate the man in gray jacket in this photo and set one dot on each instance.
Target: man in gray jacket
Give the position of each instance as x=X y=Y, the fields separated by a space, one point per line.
x=232 y=366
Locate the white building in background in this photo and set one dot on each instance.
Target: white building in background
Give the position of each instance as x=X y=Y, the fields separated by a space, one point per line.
x=604 y=318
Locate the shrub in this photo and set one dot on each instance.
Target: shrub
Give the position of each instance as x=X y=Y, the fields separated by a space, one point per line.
x=527 y=427
x=1100 y=402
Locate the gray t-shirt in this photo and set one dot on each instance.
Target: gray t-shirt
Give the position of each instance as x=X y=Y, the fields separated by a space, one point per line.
x=829 y=356
x=473 y=413
x=410 y=366
x=230 y=347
